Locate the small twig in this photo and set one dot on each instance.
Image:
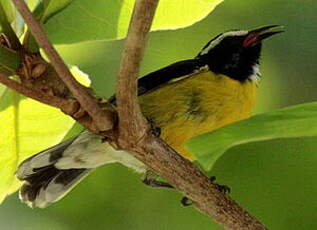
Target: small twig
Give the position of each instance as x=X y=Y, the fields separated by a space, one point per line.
x=135 y=136
x=86 y=100
x=36 y=95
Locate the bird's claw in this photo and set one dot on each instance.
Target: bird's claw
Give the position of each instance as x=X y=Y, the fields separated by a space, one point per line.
x=185 y=201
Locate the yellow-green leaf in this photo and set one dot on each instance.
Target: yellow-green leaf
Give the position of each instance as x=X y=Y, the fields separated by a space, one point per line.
x=52 y=7
x=27 y=128
x=8 y=9
x=290 y=122
x=9 y=60
x=86 y=20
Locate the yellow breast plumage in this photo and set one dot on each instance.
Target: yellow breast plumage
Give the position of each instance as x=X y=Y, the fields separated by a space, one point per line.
x=198 y=104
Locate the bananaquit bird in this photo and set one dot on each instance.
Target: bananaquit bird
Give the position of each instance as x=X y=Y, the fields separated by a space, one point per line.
x=185 y=99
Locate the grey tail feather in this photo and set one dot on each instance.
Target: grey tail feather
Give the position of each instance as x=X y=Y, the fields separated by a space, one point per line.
x=43 y=182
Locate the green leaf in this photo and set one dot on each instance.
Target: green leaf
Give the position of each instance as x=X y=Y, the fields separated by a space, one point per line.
x=294 y=121
x=43 y=11
x=12 y=15
x=86 y=20
x=27 y=127
x=2 y=89
x=18 y=25
x=8 y=9
x=53 y=7
x=7 y=15
x=8 y=59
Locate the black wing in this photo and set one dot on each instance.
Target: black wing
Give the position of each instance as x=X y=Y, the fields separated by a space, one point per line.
x=162 y=76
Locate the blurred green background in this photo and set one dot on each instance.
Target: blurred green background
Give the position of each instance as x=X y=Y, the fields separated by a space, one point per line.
x=274 y=180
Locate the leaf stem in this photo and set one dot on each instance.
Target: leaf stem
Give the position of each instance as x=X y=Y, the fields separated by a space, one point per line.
x=9 y=59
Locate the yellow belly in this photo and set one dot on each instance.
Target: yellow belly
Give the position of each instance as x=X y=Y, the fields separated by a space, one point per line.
x=196 y=105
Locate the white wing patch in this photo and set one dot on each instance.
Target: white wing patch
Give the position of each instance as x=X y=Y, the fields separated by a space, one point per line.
x=89 y=151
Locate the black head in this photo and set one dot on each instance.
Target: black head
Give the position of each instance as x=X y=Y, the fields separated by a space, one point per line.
x=236 y=53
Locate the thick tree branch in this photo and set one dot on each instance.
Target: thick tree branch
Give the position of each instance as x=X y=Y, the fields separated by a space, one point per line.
x=86 y=100
x=134 y=135
x=131 y=120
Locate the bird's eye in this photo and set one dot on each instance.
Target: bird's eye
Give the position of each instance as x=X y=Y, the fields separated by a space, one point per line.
x=232 y=41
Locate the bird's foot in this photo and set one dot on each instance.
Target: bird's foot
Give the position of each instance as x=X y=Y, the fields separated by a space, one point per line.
x=150 y=179
x=222 y=188
x=185 y=201
x=156 y=131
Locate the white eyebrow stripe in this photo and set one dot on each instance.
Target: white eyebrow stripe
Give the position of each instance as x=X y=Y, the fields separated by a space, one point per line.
x=219 y=39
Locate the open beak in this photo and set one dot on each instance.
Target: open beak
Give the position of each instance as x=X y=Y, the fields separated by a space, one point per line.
x=256 y=36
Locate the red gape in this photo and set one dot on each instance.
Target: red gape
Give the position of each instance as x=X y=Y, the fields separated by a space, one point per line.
x=251 y=39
